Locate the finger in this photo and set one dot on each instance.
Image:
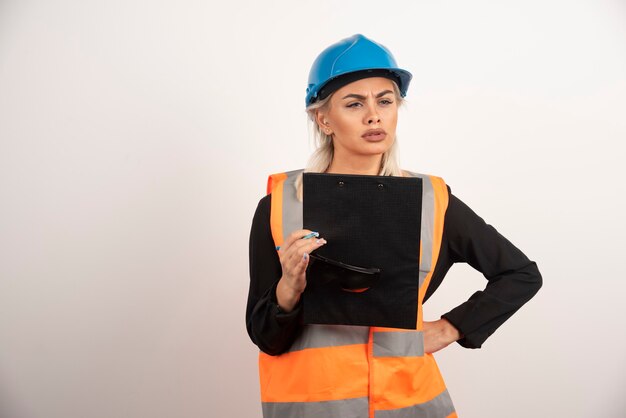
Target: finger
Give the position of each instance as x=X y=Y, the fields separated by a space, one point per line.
x=318 y=243
x=302 y=246
x=284 y=250
x=301 y=249
x=292 y=250
x=301 y=267
x=294 y=236
x=310 y=247
x=307 y=244
x=297 y=266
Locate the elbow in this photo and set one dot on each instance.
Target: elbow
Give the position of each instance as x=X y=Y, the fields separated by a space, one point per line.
x=264 y=344
x=535 y=280
x=271 y=351
x=268 y=348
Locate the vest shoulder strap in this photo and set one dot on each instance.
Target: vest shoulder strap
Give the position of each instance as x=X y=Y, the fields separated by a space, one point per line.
x=286 y=210
x=275 y=179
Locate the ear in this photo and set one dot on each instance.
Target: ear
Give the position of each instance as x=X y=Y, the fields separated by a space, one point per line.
x=322 y=122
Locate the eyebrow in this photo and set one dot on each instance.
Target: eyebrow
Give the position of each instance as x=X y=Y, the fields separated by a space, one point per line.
x=358 y=96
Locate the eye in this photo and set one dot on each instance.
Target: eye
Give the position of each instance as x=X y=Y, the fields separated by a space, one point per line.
x=386 y=102
x=355 y=104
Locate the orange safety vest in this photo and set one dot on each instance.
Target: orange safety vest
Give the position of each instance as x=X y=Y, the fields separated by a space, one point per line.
x=342 y=371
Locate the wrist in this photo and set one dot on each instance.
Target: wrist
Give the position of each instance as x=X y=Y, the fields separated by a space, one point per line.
x=451 y=332
x=286 y=296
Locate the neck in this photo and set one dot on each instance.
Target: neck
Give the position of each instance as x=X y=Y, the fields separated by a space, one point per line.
x=363 y=165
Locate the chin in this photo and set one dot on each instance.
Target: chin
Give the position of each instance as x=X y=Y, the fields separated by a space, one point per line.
x=376 y=148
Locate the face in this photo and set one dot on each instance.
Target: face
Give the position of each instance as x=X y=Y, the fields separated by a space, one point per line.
x=361 y=117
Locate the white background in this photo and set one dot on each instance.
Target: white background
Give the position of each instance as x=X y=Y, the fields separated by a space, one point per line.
x=136 y=137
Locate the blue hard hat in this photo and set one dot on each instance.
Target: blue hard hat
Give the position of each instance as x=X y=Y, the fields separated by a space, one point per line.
x=356 y=54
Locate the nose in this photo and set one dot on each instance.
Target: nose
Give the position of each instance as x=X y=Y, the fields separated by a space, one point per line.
x=372 y=116
x=373 y=120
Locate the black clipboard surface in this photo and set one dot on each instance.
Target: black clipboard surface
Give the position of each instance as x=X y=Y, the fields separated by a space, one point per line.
x=370 y=222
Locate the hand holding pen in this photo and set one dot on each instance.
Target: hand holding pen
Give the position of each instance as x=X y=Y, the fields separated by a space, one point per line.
x=294 y=259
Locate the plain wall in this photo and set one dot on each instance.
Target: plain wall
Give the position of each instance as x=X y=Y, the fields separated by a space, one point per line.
x=136 y=138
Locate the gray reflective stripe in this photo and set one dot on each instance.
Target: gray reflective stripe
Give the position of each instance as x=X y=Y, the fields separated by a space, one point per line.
x=439 y=407
x=398 y=344
x=315 y=336
x=345 y=408
x=428 y=225
x=292 y=208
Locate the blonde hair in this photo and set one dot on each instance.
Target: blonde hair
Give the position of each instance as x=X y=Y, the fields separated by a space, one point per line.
x=322 y=157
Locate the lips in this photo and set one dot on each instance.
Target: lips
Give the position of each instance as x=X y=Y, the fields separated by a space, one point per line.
x=374 y=135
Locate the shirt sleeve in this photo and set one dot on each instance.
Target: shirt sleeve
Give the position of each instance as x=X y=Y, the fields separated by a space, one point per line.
x=272 y=330
x=513 y=279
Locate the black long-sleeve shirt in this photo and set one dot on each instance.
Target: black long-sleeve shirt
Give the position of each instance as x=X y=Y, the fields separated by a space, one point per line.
x=512 y=279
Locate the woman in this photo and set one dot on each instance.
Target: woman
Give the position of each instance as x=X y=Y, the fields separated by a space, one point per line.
x=354 y=91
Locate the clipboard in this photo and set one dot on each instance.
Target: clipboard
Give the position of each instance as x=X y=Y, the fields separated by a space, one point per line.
x=368 y=272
